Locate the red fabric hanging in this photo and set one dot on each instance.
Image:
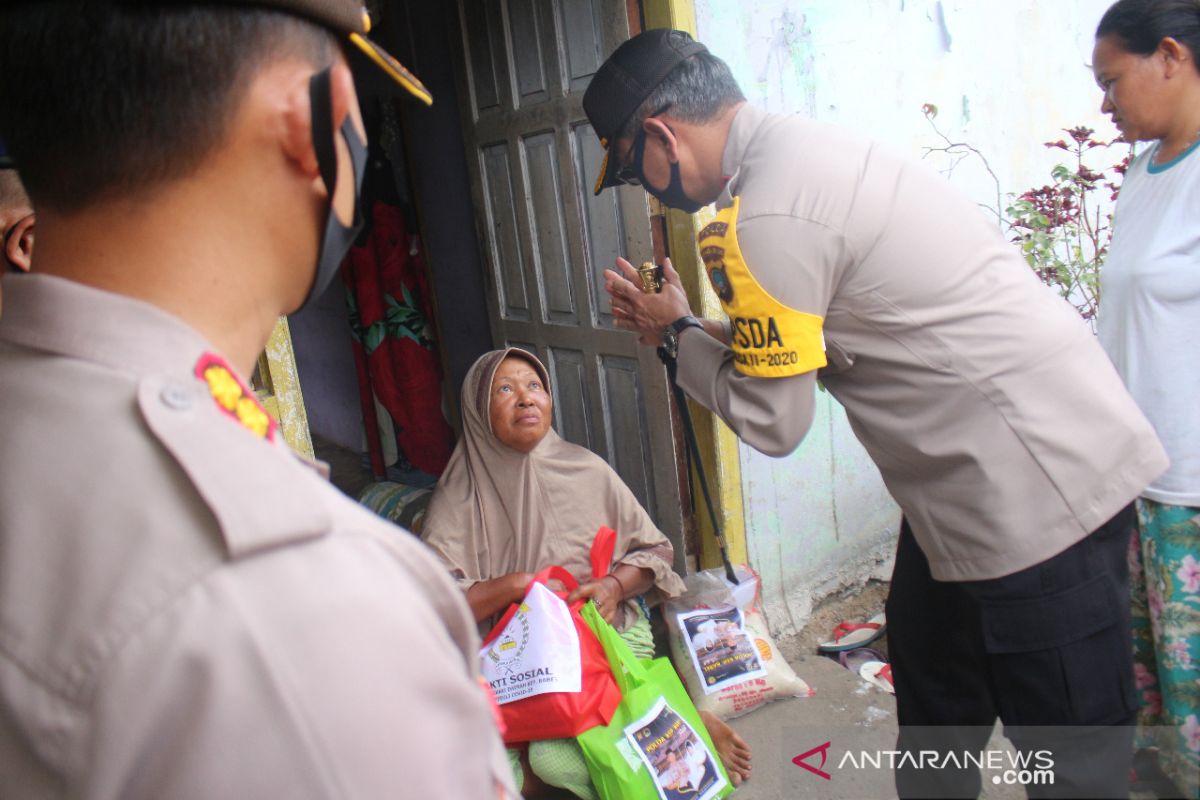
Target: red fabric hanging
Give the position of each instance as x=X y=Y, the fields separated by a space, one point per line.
x=392 y=323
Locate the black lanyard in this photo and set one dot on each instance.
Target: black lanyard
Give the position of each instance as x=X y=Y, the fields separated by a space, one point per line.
x=692 y=449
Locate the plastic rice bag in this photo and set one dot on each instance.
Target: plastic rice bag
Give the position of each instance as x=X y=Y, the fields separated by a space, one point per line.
x=722 y=649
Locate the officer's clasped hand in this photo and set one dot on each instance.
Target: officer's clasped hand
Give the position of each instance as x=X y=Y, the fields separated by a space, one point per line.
x=645 y=314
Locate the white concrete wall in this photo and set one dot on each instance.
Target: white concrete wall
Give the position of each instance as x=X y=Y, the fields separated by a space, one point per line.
x=1005 y=77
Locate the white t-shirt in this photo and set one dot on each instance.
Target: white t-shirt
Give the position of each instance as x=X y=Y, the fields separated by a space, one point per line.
x=1150 y=310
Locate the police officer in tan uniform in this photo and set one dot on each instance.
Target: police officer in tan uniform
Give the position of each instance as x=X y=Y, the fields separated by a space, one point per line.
x=186 y=609
x=995 y=419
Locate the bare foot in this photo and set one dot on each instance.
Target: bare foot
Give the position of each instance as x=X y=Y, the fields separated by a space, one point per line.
x=533 y=788
x=733 y=750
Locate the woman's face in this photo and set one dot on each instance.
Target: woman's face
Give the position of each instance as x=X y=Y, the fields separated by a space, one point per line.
x=520 y=406
x=1134 y=90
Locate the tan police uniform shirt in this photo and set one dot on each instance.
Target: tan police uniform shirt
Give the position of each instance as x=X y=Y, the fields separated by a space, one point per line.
x=997 y=422
x=189 y=611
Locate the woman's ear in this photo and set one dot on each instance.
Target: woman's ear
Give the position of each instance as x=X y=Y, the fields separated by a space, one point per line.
x=19 y=246
x=1175 y=55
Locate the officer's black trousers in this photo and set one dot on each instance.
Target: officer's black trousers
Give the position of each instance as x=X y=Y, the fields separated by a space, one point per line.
x=1047 y=650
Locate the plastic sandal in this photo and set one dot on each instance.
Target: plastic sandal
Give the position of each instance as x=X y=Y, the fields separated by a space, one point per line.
x=850 y=636
x=878 y=673
x=854 y=659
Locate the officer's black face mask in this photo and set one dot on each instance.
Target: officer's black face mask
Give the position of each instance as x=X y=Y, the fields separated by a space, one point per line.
x=673 y=195
x=337 y=238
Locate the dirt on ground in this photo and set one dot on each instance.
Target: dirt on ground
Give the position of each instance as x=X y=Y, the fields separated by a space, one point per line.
x=851 y=605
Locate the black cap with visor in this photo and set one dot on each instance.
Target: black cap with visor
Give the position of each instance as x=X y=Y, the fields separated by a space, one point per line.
x=623 y=83
x=375 y=70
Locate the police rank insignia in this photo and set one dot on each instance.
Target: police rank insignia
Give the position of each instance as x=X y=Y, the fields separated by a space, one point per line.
x=233 y=397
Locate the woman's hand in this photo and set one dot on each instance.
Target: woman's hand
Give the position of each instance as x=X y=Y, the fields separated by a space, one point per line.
x=488 y=597
x=605 y=592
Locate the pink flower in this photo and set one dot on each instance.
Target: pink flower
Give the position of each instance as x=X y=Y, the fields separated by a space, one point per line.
x=1189 y=574
x=1191 y=732
x=1152 y=703
x=1179 y=648
x=1143 y=677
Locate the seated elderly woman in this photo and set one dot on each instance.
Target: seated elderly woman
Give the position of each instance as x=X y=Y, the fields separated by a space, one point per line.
x=516 y=498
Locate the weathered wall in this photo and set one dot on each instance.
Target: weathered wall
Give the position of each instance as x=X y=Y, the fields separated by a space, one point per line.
x=1005 y=77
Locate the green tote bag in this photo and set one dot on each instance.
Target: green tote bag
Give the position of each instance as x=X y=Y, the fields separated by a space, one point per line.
x=655 y=746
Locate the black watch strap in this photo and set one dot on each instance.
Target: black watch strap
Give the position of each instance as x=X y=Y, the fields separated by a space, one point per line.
x=683 y=323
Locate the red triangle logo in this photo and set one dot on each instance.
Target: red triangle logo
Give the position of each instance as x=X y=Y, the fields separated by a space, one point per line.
x=823 y=749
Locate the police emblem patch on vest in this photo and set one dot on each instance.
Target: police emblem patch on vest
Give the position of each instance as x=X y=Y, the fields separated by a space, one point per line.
x=714 y=264
x=769 y=339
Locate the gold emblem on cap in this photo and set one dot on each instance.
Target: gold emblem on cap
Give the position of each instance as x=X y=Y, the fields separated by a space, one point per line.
x=603 y=171
x=394 y=69
x=366 y=22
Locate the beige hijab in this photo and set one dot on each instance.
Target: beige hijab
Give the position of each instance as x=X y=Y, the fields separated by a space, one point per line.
x=497 y=511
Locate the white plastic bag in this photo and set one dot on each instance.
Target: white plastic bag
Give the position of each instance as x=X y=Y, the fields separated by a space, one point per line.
x=537 y=651
x=722 y=649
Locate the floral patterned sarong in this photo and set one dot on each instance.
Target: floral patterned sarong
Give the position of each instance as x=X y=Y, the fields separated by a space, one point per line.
x=1164 y=560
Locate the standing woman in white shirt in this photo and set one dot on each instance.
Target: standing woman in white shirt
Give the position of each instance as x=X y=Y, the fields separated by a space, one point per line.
x=1145 y=60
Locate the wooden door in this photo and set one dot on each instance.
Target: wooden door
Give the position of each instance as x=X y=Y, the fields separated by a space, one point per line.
x=533 y=158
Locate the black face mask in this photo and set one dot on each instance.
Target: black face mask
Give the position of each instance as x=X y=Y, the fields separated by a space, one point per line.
x=336 y=239
x=673 y=195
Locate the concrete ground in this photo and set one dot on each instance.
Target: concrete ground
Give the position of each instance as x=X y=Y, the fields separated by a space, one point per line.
x=846 y=712
x=856 y=719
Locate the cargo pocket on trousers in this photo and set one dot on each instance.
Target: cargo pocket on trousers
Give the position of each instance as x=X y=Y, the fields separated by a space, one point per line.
x=1061 y=659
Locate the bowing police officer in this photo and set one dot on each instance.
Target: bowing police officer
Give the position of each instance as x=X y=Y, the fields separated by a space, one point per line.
x=996 y=421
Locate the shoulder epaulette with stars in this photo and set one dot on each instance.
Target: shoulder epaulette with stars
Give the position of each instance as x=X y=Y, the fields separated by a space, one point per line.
x=233 y=397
